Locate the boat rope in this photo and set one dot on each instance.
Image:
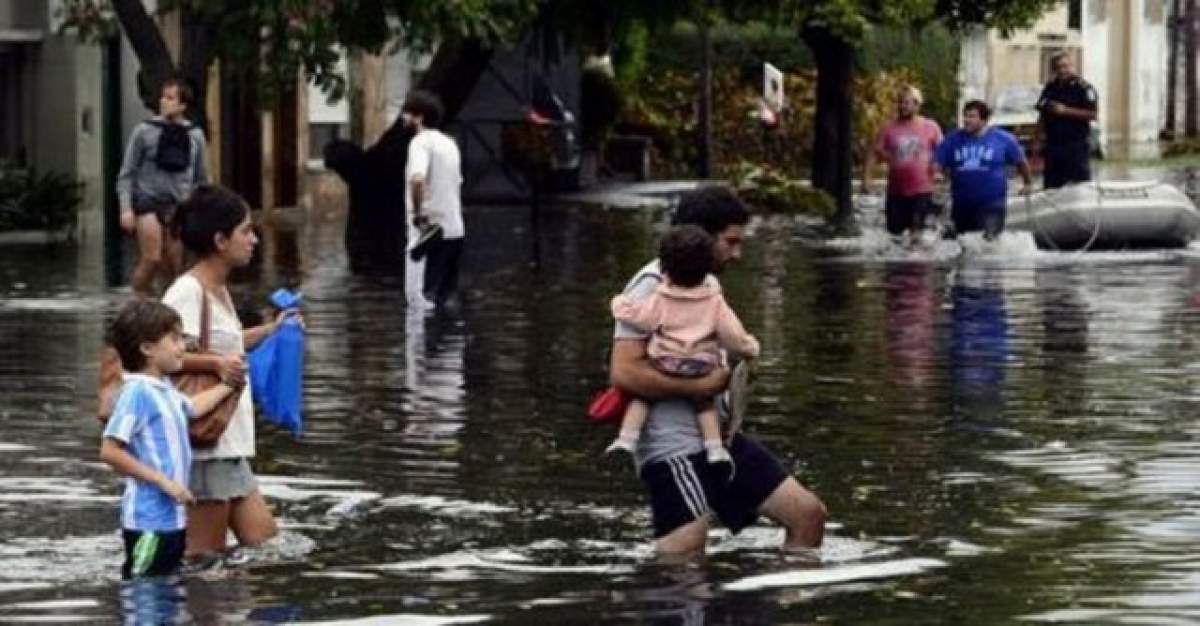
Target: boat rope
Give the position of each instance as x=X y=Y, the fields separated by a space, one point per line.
x=1049 y=195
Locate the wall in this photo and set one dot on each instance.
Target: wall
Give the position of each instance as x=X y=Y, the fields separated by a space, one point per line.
x=1125 y=54
x=1095 y=66
x=23 y=14
x=1021 y=58
x=991 y=62
x=1149 y=92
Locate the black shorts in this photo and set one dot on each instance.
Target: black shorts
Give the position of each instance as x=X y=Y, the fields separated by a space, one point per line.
x=906 y=212
x=1066 y=163
x=163 y=552
x=164 y=211
x=683 y=489
x=968 y=219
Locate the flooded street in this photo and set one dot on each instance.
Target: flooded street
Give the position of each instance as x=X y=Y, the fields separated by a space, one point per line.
x=998 y=438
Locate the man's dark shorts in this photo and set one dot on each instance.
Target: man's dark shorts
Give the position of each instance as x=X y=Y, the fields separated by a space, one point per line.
x=164 y=210
x=1066 y=163
x=162 y=554
x=906 y=212
x=683 y=489
x=989 y=219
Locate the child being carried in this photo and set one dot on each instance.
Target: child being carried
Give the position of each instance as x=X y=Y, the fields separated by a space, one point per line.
x=689 y=324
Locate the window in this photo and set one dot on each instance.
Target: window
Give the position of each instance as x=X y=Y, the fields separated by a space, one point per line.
x=319 y=136
x=1075 y=14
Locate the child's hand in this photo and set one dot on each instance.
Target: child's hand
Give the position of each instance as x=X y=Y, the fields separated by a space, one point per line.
x=283 y=315
x=231 y=369
x=178 y=492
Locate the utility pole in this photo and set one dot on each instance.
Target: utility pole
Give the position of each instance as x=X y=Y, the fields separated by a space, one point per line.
x=705 y=100
x=1174 y=21
x=1191 y=128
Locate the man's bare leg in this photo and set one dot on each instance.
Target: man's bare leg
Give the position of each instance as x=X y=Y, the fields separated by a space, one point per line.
x=799 y=511
x=685 y=542
x=149 y=237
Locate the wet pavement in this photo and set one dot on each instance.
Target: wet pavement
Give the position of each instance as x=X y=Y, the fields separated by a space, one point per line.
x=1002 y=435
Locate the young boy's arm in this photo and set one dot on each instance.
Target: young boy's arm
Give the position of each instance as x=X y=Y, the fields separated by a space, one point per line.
x=208 y=399
x=230 y=368
x=113 y=452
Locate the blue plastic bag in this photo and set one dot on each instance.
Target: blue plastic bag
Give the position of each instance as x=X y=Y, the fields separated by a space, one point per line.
x=277 y=369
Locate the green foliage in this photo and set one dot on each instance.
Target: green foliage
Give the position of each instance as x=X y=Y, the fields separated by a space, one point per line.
x=32 y=202
x=852 y=20
x=600 y=104
x=93 y=20
x=1181 y=147
x=1005 y=15
x=770 y=190
x=283 y=38
x=928 y=55
x=631 y=54
x=662 y=105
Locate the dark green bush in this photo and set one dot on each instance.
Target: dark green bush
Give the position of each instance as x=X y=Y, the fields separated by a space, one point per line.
x=930 y=54
x=32 y=202
x=599 y=107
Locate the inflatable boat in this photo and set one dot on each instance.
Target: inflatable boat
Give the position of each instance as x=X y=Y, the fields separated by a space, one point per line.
x=1106 y=216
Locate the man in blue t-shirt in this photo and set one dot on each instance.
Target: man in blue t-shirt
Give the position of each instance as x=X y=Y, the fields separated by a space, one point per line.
x=976 y=159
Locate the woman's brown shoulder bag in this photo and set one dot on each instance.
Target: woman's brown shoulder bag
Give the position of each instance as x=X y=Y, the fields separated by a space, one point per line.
x=206 y=430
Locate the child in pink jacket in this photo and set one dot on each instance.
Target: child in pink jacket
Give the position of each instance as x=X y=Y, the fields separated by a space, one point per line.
x=689 y=324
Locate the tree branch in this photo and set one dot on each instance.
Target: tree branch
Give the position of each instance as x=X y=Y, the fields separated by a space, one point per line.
x=148 y=45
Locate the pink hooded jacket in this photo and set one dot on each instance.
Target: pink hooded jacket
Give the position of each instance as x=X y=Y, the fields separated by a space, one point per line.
x=688 y=322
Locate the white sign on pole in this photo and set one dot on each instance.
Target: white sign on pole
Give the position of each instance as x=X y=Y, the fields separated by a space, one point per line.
x=772 y=87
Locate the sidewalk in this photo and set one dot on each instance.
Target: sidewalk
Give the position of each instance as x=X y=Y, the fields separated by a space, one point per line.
x=635 y=195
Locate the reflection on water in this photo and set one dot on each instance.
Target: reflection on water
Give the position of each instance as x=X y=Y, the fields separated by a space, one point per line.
x=979 y=340
x=911 y=307
x=1000 y=435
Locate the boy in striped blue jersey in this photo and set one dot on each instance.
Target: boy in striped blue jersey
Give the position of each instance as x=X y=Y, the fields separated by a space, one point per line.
x=146 y=439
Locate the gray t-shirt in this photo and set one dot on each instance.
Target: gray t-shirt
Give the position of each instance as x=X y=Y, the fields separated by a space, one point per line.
x=671 y=429
x=141 y=183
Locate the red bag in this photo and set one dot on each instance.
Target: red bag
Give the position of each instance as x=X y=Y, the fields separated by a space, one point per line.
x=609 y=405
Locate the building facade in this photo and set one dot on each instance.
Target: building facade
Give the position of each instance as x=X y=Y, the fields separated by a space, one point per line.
x=1119 y=46
x=52 y=102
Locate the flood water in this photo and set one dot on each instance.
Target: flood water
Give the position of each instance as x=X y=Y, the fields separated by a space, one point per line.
x=998 y=438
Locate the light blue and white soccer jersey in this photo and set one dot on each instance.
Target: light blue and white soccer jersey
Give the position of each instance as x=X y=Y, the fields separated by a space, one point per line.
x=151 y=418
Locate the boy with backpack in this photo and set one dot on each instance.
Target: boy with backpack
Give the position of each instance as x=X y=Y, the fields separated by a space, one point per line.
x=164 y=161
x=146 y=438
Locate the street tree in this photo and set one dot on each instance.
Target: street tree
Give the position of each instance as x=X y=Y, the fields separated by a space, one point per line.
x=273 y=42
x=276 y=41
x=834 y=31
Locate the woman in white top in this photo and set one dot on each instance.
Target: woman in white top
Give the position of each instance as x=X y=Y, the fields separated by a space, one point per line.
x=214 y=224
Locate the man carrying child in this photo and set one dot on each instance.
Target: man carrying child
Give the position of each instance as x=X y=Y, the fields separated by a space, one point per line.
x=684 y=489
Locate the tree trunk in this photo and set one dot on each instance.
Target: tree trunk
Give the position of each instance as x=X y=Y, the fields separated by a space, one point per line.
x=149 y=46
x=154 y=59
x=375 y=228
x=833 y=148
x=1173 y=23
x=194 y=58
x=1189 y=80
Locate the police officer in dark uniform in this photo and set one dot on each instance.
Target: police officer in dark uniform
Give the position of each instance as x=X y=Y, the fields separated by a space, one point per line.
x=1067 y=106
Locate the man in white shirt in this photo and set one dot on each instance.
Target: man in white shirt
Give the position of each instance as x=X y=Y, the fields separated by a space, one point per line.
x=432 y=179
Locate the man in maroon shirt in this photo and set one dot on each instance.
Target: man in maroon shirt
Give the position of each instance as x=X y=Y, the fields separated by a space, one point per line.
x=907 y=145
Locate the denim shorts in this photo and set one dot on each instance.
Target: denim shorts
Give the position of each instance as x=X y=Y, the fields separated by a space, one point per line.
x=222 y=479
